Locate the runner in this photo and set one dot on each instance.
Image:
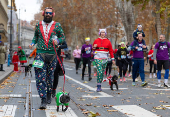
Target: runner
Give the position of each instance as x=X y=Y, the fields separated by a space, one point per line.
x=109 y=65
x=129 y=59
x=161 y=58
x=22 y=58
x=77 y=57
x=116 y=58
x=86 y=51
x=151 y=62
x=122 y=59
x=138 y=60
x=48 y=34
x=58 y=71
x=102 y=47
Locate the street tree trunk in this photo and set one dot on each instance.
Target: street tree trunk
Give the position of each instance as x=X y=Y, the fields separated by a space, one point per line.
x=126 y=10
x=158 y=19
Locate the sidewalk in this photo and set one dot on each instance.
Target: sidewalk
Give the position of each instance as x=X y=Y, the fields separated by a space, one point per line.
x=6 y=73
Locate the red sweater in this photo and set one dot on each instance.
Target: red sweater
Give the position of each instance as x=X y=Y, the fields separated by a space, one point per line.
x=150 y=52
x=105 y=43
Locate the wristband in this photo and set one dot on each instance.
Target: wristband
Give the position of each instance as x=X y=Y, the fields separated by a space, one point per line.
x=32 y=43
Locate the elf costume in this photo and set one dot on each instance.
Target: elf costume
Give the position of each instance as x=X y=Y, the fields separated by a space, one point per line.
x=15 y=60
x=44 y=35
x=22 y=56
x=104 y=47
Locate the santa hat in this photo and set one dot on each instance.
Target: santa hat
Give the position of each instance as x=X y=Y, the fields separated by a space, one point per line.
x=20 y=47
x=139 y=25
x=87 y=39
x=100 y=30
x=15 y=53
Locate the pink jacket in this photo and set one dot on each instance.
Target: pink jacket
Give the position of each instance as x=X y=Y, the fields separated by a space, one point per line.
x=77 y=53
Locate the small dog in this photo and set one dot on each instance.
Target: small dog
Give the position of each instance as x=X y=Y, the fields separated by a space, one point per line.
x=27 y=69
x=62 y=99
x=113 y=80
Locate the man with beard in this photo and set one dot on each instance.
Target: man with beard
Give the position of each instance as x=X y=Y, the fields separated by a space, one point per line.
x=48 y=35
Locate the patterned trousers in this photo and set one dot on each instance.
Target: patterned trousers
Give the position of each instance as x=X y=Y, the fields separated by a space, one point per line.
x=101 y=66
x=44 y=76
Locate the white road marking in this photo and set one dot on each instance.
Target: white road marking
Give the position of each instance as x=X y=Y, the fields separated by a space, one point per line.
x=90 y=88
x=157 y=89
x=68 y=69
x=51 y=111
x=115 y=88
x=33 y=81
x=8 y=110
x=11 y=95
x=35 y=96
x=134 y=111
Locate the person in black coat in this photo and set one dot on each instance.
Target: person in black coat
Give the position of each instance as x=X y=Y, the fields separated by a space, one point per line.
x=58 y=71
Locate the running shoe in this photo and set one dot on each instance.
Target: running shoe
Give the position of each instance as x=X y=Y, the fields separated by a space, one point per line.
x=126 y=74
x=150 y=76
x=144 y=84
x=159 y=85
x=120 y=79
x=129 y=75
x=133 y=83
x=166 y=85
x=124 y=79
x=95 y=74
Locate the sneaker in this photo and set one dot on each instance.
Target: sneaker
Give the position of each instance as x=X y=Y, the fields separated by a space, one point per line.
x=120 y=79
x=53 y=93
x=90 y=78
x=43 y=103
x=133 y=83
x=126 y=74
x=150 y=76
x=82 y=78
x=154 y=76
x=124 y=79
x=166 y=85
x=95 y=74
x=159 y=85
x=144 y=84
x=48 y=98
x=129 y=75
x=76 y=72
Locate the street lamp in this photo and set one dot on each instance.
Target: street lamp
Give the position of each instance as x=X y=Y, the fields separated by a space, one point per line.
x=11 y=34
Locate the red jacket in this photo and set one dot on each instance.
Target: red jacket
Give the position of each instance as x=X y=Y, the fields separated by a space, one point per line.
x=150 y=52
x=15 y=59
x=105 y=44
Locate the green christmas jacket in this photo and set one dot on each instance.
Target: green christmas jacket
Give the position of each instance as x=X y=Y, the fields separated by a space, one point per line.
x=39 y=37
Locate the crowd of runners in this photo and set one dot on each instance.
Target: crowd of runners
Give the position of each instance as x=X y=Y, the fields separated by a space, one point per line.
x=128 y=58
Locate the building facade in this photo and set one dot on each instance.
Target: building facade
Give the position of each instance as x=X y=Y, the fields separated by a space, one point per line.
x=3 y=20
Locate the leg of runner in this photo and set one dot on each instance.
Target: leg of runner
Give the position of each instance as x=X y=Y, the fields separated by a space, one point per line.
x=141 y=72
x=89 y=69
x=120 y=69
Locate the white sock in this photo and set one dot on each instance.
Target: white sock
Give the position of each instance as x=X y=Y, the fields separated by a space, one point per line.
x=154 y=74
x=166 y=81
x=150 y=74
x=159 y=81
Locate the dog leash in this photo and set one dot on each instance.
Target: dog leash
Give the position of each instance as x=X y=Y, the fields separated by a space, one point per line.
x=60 y=65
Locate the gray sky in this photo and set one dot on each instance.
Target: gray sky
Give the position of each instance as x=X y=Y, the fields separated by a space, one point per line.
x=31 y=6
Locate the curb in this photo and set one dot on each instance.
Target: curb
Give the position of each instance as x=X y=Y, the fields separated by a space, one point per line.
x=6 y=76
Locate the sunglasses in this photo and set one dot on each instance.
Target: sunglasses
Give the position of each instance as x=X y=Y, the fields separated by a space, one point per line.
x=49 y=13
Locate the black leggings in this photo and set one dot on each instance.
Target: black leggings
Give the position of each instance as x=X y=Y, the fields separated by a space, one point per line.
x=109 y=66
x=122 y=66
x=77 y=62
x=130 y=64
x=86 y=61
x=56 y=76
x=151 y=65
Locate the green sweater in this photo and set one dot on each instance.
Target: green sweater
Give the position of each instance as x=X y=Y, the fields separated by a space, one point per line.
x=39 y=37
